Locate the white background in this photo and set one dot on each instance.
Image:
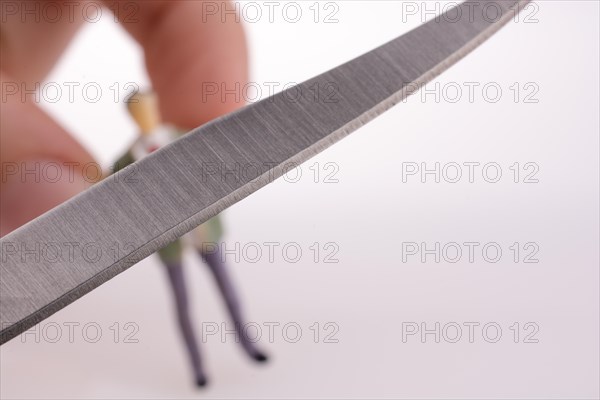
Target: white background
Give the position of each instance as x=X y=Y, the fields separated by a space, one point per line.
x=369 y=213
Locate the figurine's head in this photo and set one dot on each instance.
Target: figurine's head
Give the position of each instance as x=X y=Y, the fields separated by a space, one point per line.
x=143 y=107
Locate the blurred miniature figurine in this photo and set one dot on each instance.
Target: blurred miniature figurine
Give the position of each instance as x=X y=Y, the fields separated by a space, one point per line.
x=143 y=107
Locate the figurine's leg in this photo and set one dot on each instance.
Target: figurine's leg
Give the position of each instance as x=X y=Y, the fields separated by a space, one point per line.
x=171 y=257
x=218 y=268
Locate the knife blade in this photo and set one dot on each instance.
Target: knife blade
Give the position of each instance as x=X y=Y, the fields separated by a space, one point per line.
x=72 y=249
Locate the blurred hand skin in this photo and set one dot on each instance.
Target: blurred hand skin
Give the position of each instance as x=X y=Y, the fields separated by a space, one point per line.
x=182 y=49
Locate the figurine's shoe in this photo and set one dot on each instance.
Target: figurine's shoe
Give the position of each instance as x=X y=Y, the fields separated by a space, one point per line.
x=259 y=357
x=201 y=381
x=253 y=352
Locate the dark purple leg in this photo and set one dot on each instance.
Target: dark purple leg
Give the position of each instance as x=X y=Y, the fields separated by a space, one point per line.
x=219 y=270
x=175 y=272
